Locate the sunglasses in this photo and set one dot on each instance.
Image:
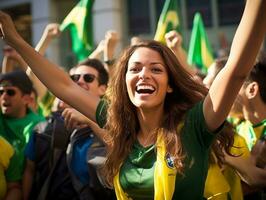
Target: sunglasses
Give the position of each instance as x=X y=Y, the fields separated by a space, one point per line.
x=9 y=92
x=88 y=78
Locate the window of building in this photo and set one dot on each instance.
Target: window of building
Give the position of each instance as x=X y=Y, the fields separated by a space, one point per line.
x=230 y=12
x=159 y=8
x=203 y=7
x=21 y=16
x=138 y=17
x=143 y=16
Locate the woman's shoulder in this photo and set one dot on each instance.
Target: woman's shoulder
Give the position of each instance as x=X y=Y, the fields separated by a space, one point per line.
x=195 y=110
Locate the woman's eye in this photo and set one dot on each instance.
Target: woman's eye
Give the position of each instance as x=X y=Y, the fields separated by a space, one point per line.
x=156 y=70
x=134 y=69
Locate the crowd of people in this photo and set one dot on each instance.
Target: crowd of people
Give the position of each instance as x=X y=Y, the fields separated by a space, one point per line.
x=144 y=125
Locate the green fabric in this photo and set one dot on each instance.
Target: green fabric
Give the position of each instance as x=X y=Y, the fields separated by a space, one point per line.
x=136 y=174
x=251 y=132
x=200 y=52
x=16 y=167
x=17 y=132
x=234 y=121
x=196 y=142
x=79 y=22
x=46 y=104
x=169 y=20
x=101 y=112
x=262 y=126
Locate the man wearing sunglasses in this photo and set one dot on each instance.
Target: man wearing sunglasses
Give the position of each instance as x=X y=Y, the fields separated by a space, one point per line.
x=16 y=123
x=91 y=75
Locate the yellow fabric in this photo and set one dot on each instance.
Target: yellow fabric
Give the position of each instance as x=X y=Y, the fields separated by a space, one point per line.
x=164 y=177
x=218 y=183
x=2 y=182
x=120 y=194
x=168 y=21
x=216 y=186
x=6 y=152
x=207 y=57
x=171 y=17
x=258 y=130
x=245 y=129
x=234 y=182
x=240 y=148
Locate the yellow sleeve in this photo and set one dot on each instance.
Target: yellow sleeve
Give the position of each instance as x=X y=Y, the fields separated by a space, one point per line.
x=6 y=152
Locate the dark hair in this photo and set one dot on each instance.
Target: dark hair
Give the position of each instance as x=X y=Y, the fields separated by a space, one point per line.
x=122 y=122
x=18 y=79
x=258 y=74
x=96 y=64
x=224 y=141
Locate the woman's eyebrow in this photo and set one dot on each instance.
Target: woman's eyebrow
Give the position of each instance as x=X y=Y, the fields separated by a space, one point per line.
x=152 y=63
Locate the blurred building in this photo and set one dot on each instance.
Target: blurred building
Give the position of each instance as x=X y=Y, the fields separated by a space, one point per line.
x=128 y=17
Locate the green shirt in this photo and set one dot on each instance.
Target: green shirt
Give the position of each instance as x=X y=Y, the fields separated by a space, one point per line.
x=136 y=174
x=17 y=132
x=197 y=141
x=251 y=132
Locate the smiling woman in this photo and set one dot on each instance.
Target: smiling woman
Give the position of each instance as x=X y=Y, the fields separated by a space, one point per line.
x=155 y=94
x=147 y=79
x=160 y=121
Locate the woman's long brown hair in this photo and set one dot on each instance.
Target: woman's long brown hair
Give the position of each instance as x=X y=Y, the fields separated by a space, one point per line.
x=122 y=122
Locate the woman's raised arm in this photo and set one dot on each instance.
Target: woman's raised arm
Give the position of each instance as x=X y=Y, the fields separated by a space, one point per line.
x=245 y=46
x=55 y=79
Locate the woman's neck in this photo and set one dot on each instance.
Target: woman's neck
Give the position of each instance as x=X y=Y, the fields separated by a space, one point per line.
x=149 y=121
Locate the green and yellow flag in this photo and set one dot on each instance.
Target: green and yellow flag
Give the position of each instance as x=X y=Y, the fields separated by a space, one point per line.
x=169 y=20
x=200 y=52
x=79 y=22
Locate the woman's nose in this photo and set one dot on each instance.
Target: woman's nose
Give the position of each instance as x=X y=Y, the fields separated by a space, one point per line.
x=144 y=73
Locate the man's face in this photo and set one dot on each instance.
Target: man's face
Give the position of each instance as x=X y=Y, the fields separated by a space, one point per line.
x=88 y=79
x=13 y=101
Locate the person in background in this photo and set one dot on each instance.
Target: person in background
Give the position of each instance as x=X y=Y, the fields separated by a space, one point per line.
x=253 y=126
x=135 y=40
x=238 y=148
x=243 y=108
x=174 y=41
x=90 y=75
x=110 y=43
x=41 y=99
x=16 y=124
